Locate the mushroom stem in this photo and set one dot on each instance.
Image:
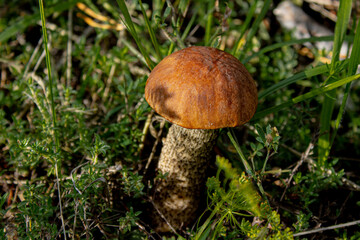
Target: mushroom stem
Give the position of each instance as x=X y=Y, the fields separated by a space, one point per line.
x=185 y=157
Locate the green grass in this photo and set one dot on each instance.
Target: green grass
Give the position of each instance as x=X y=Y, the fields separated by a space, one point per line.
x=78 y=151
x=130 y=26
x=329 y=103
x=53 y=112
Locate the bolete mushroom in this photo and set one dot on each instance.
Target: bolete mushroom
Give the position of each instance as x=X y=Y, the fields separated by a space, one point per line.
x=199 y=90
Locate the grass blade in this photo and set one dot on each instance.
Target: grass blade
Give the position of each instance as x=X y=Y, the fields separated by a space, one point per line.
x=151 y=32
x=355 y=53
x=325 y=121
x=57 y=143
x=247 y=166
x=305 y=96
x=353 y=66
x=340 y=30
x=190 y=24
x=48 y=66
x=134 y=51
x=244 y=26
x=291 y=42
x=329 y=101
x=255 y=26
x=209 y=22
x=297 y=77
x=131 y=28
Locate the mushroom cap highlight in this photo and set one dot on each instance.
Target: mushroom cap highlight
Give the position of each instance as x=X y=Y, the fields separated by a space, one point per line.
x=202 y=88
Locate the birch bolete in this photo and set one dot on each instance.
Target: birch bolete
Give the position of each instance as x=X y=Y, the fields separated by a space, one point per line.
x=199 y=90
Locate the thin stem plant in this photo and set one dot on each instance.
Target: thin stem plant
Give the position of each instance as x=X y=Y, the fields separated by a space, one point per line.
x=55 y=135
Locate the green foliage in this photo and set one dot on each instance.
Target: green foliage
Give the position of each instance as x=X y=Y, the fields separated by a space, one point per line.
x=232 y=203
x=278 y=65
x=99 y=147
x=302 y=222
x=3 y=211
x=323 y=177
x=269 y=141
x=334 y=73
x=125 y=223
x=130 y=26
x=72 y=106
x=345 y=236
x=36 y=213
x=132 y=183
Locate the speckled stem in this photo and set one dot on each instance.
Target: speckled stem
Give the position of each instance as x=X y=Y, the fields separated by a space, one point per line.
x=185 y=156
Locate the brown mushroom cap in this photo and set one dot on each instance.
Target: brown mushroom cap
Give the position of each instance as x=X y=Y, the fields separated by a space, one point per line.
x=202 y=88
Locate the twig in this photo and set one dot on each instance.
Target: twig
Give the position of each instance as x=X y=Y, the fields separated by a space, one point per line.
x=163 y=217
x=162 y=124
x=166 y=34
x=36 y=50
x=59 y=196
x=75 y=218
x=311 y=163
x=327 y=228
x=72 y=179
x=193 y=31
x=40 y=60
x=16 y=174
x=325 y=2
x=329 y=14
x=145 y=130
x=143 y=229
x=344 y=204
x=299 y=163
x=109 y=81
x=3 y=76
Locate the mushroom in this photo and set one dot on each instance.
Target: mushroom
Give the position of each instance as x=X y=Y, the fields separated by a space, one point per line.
x=199 y=90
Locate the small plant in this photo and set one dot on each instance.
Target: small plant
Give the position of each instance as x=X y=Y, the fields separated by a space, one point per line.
x=233 y=203
x=36 y=214
x=130 y=219
x=3 y=211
